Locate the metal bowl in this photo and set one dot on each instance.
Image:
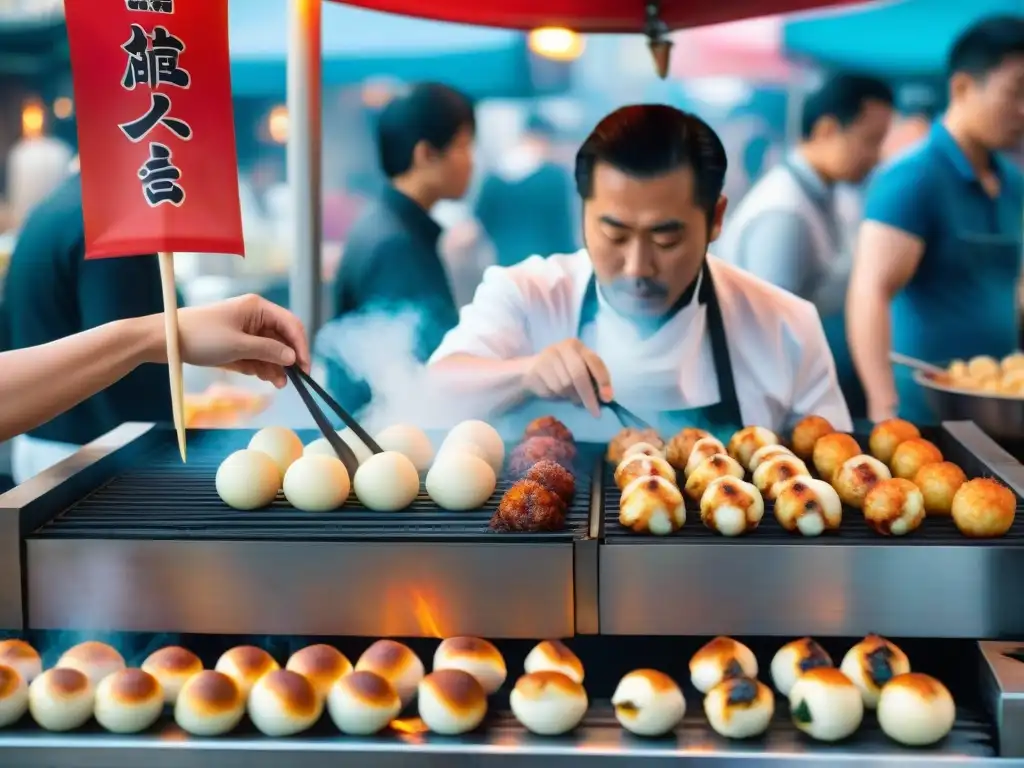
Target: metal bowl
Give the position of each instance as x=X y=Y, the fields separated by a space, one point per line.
x=1001 y=416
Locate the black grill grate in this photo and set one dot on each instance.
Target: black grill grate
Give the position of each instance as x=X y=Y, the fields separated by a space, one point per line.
x=159 y=498
x=854 y=530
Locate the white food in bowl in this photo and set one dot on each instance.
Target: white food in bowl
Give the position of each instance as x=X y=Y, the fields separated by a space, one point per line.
x=317 y=484
x=248 y=480
x=460 y=480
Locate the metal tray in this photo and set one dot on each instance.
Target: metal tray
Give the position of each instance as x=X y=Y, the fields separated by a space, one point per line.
x=933 y=583
x=138 y=541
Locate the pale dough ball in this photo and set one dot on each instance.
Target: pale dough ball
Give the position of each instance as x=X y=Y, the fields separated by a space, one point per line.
x=484 y=437
x=280 y=444
x=387 y=482
x=460 y=481
x=317 y=484
x=248 y=480
x=409 y=440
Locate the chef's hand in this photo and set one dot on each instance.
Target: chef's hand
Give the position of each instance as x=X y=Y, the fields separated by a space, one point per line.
x=247 y=334
x=882 y=410
x=563 y=371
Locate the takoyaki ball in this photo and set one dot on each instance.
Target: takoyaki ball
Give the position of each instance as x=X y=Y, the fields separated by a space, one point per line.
x=857 y=476
x=939 y=483
x=808 y=506
x=825 y=705
x=627 y=437
x=528 y=506
x=704 y=448
x=983 y=508
x=761 y=455
x=554 y=477
x=719 y=660
x=548 y=703
x=679 y=447
x=643 y=449
x=739 y=708
x=744 y=443
x=773 y=473
x=894 y=507
x=794 y=659
x=807 y=432
x=711 y=469
x=916 y=710
x=872 y=663
x=648 y=703
x=831 y=452
x=983 y=367
x=535 y=449
x=887 y=435
x=731 y=506
x=638 y=465
x=911 y=455
x=652 y=505
x=548 y=426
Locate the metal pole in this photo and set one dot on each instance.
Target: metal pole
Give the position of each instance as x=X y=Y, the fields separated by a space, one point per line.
x=305 y=138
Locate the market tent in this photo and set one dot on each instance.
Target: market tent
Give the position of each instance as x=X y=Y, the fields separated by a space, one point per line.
x=906 y=39
x=590 y=15
x=359 y=44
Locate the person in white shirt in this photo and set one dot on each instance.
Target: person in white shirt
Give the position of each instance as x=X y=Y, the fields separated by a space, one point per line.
x=642 y=314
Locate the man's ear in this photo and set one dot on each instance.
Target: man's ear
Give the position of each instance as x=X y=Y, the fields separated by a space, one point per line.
x=422 y=154
x=719 y=217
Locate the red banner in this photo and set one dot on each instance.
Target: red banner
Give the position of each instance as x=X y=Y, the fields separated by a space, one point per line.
x=155 y=126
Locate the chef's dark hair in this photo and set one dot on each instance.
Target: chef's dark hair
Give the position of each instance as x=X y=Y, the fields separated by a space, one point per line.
x=985 y=45
x=429 y=112
x=842 y=97
x=648 y=140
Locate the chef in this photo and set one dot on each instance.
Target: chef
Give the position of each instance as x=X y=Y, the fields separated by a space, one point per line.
x=938 y=257
x=642 y=315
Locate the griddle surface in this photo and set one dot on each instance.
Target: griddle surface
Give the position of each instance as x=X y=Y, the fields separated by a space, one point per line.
x=159 y=498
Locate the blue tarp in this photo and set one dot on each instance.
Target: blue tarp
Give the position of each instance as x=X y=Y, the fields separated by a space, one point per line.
x=909 y=38
x=360 y=44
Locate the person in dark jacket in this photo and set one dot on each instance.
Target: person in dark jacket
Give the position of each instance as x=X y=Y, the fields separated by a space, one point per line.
x=528 y=186
x=390 y=262
x=51 y=292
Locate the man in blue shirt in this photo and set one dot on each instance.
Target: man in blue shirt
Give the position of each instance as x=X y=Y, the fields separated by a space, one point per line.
x=938 y=256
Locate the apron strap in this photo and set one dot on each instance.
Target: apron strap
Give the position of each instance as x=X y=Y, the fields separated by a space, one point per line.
x=726 y=412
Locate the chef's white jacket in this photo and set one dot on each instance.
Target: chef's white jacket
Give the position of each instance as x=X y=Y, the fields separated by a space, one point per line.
x=781 y=362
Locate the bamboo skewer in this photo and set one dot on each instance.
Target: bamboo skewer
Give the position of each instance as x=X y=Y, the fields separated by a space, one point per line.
x=174 y=366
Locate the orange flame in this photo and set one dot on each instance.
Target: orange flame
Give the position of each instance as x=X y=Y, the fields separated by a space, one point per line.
x=409 y=726
x=425 y=617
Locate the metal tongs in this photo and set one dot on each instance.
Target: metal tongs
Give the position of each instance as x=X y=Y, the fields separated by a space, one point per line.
x=303 y=382
x=626 y=417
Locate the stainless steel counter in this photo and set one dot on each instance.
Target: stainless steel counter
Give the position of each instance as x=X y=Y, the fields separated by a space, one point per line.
x=599 y=742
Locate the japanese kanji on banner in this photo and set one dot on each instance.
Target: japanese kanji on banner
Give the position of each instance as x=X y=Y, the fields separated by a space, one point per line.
x=156 y=132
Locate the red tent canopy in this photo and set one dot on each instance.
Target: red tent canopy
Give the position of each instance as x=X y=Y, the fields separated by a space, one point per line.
x=590 y=15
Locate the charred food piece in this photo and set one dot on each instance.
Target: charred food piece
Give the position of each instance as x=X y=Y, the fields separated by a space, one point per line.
x=555 y=478
x=536 y=449
x=548 y=426
x=528 y=507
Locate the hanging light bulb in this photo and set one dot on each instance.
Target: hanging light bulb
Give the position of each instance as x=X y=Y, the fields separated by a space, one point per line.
x=556 y=43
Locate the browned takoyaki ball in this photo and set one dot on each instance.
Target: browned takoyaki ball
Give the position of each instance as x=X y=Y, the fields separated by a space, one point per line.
x=984 y=508
x=831 y=452
x=887 y=435
x=554 y=477
x=529 y=506
x=894 y=507
x=639 y=465
x=911 y=455
x=629 y=436
x=679 y=447
x=535 y=449
x=939 y=483
x=548 y=426
x=807 y=432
